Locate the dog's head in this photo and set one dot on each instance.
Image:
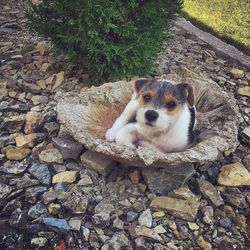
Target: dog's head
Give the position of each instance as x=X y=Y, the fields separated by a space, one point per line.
x=161 y=103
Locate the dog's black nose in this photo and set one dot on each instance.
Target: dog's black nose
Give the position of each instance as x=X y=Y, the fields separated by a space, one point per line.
x=151 y=115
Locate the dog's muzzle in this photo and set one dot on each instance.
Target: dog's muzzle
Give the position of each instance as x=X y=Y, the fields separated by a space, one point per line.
x=151 y=115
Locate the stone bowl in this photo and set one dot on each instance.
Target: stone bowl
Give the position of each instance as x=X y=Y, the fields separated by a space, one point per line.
x=87 y=116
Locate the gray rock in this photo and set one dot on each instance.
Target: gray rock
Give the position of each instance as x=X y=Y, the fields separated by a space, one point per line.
x=24 y=182
x=210 y=192
x=118 y=224
x=184 y=209
x=117 y=242
x=7 y=140
x=145 y=219
x=131 y=216
x=13 y=124
x=41 y=172
x=236 y=200
x=77 y=203
x=37 y=211
x=69 y=149
x=208 y=214
x=140 y=244
x=85 y=233
x=162 y=181
x=33 y=192
x=97 y=162
x=3 y=89
x=52 y=156
x=58 y=225
x=14 y=167
x=5 y=190
x=18 y=218
x=101 y=219
x=245 y=135
x=103 y=209
x=225 y=222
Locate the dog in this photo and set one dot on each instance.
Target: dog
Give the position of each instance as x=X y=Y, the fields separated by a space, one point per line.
x=160 y=115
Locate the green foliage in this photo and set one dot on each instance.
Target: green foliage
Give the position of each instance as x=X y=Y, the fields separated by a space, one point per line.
x=116 y=39
x=230 y=19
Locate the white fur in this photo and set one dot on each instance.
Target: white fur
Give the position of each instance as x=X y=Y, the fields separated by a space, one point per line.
x=168 y=133
x=123 y=119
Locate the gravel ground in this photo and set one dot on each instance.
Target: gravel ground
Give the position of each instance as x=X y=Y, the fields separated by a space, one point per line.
x=56 y=195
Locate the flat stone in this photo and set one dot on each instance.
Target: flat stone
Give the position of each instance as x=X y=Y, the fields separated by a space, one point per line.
x=7 y=140
x=160 y=229
x=54 y=208
x=39 y=241
x=37 y=211
x=234 y=175
x=245 y=91
x=16 y=153
x=24 y=182
x=150 y=234
x=5 y=190
x=14 y=123
x=193 y=226
x=33 y=192
x=241 y=221
x=145 y=219
x=225 y=222
x=158 y=214
x=184 y=209
x=245 y=135
x=208 y=214
x=237 y=200
x=117 y=242
x=59 y=225
x=131 y=216
x=162 y=181
x=203 y=244
x=77 y=203
x=15 y=167
x=3 y=90
x=69 y=149
x=75 y=224
x=210 y=192
x=237 y=73
x=26 y=140
x=41 y=172
x=97 y=162
x=140 y=244
x=18 y=218
x=41 y=84
x=85 y=179
x=66 y=176
x=118 y=224
x=183 y=193
x=33 y=121
x=101 y=219
x=59 y=80
x=51 y=155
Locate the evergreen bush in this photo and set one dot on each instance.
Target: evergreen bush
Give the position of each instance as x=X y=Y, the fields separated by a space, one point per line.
x=114 y=38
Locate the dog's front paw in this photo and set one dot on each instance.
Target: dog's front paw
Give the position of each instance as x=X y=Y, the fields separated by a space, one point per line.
x=111 y=134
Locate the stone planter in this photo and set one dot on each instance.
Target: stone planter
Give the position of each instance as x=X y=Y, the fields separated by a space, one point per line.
x=87 y=116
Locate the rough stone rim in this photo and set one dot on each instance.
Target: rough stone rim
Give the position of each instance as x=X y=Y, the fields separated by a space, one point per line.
x=206 y=151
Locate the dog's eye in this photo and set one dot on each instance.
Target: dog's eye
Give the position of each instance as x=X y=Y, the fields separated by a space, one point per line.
x=170 y=105
x=146 y=98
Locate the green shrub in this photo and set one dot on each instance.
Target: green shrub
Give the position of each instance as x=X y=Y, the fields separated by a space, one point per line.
x=114 y=38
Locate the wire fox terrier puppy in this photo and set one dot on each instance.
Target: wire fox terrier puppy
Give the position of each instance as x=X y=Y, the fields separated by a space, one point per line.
x=160 y=115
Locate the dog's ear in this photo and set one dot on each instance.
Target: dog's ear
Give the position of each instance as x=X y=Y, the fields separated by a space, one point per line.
x=188 y=91
x=139 y=83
